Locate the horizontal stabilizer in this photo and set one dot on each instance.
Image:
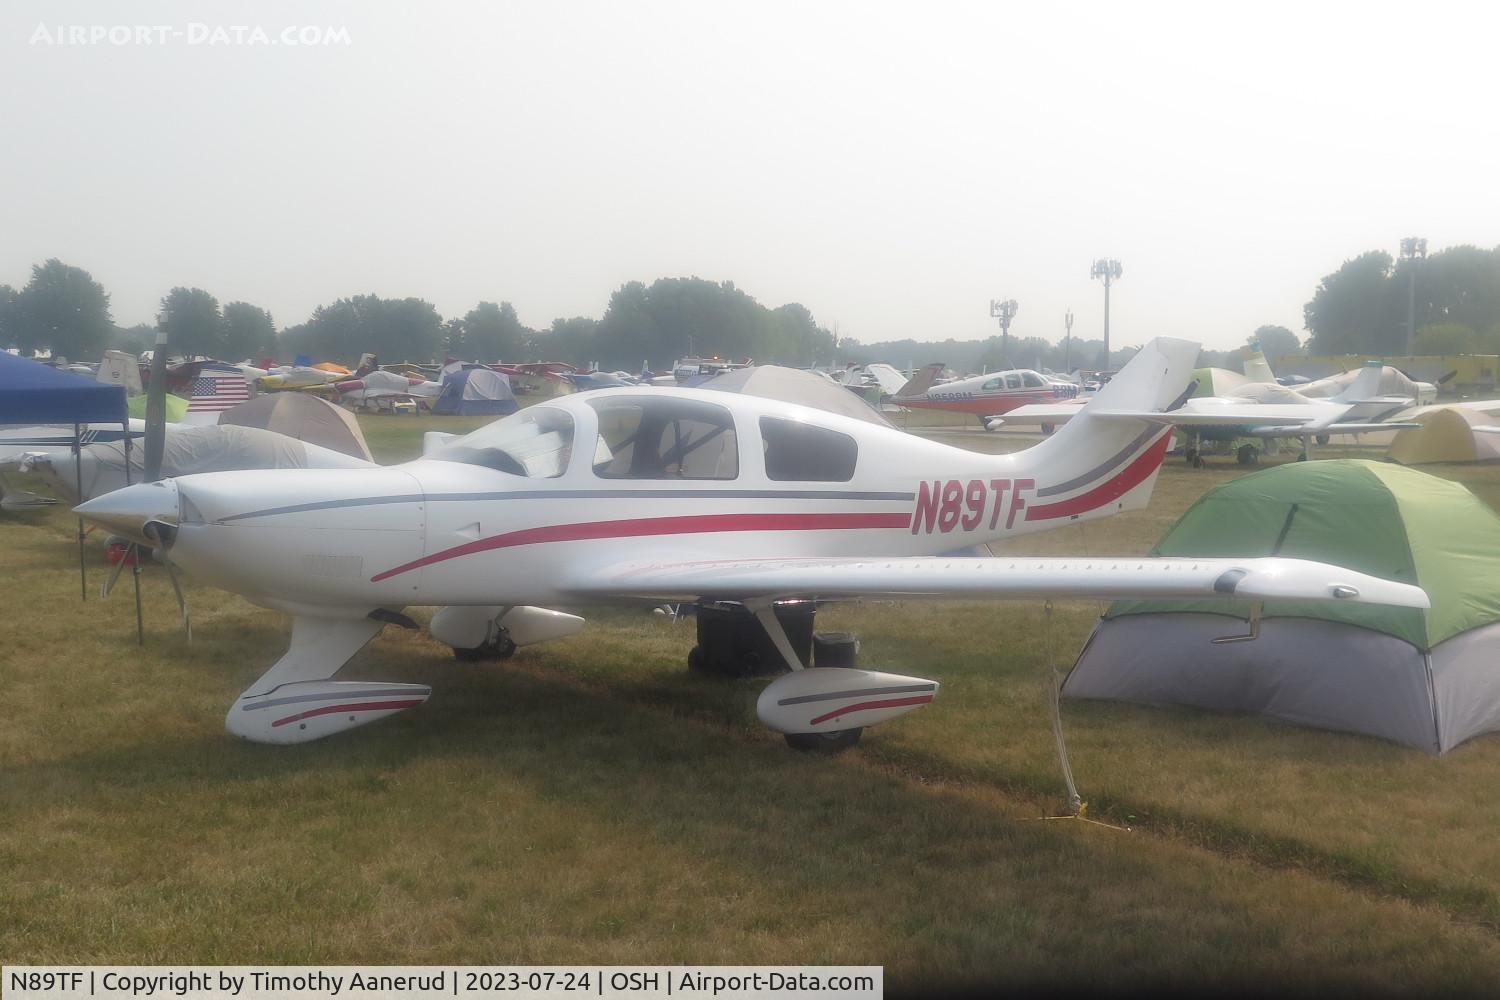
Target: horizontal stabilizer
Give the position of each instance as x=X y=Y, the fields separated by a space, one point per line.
x=1040 y=413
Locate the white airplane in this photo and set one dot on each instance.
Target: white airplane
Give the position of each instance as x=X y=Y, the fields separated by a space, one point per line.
x=1393 y=382
x=675 y=495
x=986 y=396
x=1254 y=409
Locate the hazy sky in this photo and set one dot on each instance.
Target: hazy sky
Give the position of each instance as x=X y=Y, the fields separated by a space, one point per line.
x=892 y=167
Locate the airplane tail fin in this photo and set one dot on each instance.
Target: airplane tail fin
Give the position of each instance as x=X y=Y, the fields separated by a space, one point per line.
x=1103 y=460
x=1255 y=365
x=922 y=380
x=889 y=379
x=1366 y=384
x=119 y=368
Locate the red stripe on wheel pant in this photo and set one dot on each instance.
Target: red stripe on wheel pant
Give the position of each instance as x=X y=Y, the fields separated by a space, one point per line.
x=866 y=706
x=369 y=706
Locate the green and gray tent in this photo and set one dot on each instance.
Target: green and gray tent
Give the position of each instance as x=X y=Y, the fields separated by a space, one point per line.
x=1430 y=678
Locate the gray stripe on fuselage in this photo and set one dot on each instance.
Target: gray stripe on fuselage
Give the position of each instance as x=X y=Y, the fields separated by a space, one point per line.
x=904 y=689
x=1093 y=474
x=333 y=696
x=578 y=494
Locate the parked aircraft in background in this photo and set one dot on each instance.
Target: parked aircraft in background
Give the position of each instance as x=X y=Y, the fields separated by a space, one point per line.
x=1393 y=382
x=377 y=388
x=988 y=395
x=1256 y=409
x=679 y=495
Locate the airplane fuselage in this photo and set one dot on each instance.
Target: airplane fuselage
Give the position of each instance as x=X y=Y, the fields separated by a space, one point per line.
x=451 y=531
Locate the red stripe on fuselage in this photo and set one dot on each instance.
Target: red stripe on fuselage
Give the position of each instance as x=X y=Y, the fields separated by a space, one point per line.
x=369 y=706
x=866 y=706
x=1130 y=477
x=638 y=527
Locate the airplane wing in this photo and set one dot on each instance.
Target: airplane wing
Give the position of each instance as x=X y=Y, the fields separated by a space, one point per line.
x=1258 y=419
x=1335 y=428
x=939 y=576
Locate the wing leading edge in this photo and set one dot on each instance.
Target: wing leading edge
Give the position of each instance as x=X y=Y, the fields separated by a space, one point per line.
x=937 y=576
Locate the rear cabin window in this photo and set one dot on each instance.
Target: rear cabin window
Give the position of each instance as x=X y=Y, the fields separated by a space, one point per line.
x=664 y=438
x=1012 y=381
x=799 y=453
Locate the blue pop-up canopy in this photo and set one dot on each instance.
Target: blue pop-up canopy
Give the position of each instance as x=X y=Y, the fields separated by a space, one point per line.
x=32 y=393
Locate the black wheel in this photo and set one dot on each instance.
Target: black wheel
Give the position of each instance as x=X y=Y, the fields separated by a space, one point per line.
x=1302 y=457
x=1191 y=456
x=1198 y=462
x=500 y=649
x=1247 y=454
x=833 y=742
x=1321 y=438
x=695 y=658
x=1047 y=430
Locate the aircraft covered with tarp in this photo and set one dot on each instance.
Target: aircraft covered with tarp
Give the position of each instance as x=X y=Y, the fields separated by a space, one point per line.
x=792 y=385
x=305 y=418
x=187 y=450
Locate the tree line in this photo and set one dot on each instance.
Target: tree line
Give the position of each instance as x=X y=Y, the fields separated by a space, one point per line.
x=62 y=309
x=1361 y=308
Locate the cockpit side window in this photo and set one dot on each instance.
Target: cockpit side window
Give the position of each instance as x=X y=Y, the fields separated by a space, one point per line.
x=801 y=452
x=641 y=437
x=1033 y=380
x=992 y=385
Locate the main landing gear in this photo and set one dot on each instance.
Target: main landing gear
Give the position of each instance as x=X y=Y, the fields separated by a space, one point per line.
x=738 y=640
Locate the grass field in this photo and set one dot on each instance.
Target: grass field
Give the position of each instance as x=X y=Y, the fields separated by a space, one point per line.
x=590 y=801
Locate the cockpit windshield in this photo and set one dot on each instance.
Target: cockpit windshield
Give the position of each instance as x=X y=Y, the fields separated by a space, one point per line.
x=535 y=442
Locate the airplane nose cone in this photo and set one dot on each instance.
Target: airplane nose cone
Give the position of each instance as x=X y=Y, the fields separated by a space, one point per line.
x=129 y=511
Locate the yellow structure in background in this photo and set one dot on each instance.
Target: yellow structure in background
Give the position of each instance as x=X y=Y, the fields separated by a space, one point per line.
x=1446 y=435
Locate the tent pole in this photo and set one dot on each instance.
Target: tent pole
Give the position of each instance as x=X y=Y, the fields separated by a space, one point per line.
x=133 y=553
x=83 y=584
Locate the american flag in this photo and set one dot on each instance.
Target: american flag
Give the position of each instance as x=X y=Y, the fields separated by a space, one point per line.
x=217 y=389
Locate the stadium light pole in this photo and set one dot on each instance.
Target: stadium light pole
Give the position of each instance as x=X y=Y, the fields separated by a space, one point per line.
x=1004 y=311
x=1413 y=250
x=1107 y=270
x=1067 y=341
